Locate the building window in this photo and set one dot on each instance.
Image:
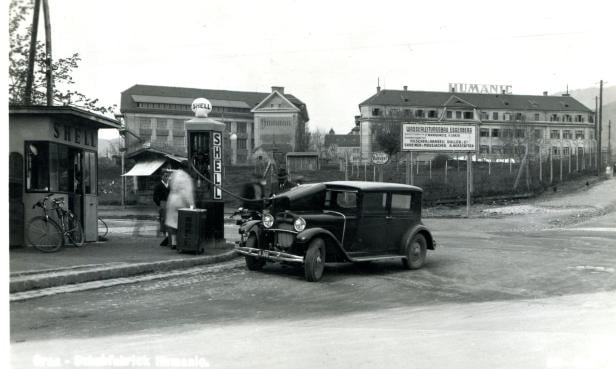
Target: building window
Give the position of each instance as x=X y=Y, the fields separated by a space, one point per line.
x=578 y=118
x=555 y=134
x=495 y=115
x=419 y=113
x=241 y=143
x=579 y=135
x=484 y=116
x=520 y=133
x=555 y=150
x=591 y=119
x=566 y=150
x=161 y=127
x=567 y=118
x=376 y=112
x=484 y=149
x=484 y=132
x=519 y=116
x=507 y=133
x=497 y=149
x=538 y=133
x=449 y=114
x=567 y=135
x=554 y=118
x=432 y=114
x=496 y=132
x=468 y=115
x=458 y=115
x=537 y=118
x=228 y=126
x=507 y=116
x=240 y=127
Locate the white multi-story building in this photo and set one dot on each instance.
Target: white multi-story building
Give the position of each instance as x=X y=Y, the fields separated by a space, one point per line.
x=507 y=123
x=157 y=115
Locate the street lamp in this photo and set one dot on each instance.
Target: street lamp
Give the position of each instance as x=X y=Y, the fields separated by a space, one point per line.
x=122 y=131
x=233 y=138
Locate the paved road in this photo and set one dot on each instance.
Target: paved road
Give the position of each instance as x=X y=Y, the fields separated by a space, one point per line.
x=490 y=296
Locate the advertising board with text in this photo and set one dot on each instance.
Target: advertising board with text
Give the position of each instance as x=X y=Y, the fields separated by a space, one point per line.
x=439 y=137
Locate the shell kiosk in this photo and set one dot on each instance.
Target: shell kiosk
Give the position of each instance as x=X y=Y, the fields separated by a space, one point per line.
x=197 y=228
x=53 y=149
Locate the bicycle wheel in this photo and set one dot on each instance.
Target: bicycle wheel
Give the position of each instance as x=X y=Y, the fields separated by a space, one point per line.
x=74 y=231
x=44 y=234
x=103 y=229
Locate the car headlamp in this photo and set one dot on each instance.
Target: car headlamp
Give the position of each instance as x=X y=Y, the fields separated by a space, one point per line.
x=299 y=224
x=268 y=220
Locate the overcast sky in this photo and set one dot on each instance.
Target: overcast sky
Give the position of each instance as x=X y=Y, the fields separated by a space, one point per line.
x=330 y=53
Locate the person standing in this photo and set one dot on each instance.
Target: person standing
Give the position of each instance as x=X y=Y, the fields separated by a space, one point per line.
x=161 y=192
x=181 y=195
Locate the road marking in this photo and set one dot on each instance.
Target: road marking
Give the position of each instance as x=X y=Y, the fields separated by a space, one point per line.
x=591 y=229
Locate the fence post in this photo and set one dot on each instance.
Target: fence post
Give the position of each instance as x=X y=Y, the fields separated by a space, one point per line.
x=445 y=171
x=430 y=166
x=551 y=168
x=560 y=161
x=412 y=177
x=569 y=159
x=540 y=166
x=408 y=169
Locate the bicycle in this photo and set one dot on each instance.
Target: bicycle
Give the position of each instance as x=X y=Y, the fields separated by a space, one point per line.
x=47 y=234
x=103 y=229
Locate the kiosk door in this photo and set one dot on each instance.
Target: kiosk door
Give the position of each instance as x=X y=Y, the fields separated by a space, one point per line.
x=90 y=199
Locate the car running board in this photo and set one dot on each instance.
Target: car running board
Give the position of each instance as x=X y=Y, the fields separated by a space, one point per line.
x=374 y=257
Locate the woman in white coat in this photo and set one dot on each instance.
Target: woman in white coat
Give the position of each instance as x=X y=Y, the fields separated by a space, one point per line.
x=181 y=195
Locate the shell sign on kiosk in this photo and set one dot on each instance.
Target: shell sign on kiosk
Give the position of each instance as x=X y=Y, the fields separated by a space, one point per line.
x=53 y=150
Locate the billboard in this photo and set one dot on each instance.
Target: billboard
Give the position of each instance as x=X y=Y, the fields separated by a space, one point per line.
x=439 y=137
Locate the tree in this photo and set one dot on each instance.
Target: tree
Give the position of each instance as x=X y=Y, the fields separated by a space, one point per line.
x=20 y=30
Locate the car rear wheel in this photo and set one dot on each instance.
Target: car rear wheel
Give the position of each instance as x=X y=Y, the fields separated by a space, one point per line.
x=314 y=261
x=415 y=252
x=252 y=262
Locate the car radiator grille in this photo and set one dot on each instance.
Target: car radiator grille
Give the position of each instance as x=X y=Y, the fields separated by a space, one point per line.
x=285 y=239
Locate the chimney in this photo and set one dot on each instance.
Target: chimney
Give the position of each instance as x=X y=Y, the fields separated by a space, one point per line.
x=566 y=94
x=406 y=88
x=503 y=92
x=545 y=93
x=378 y=89
x=279 y=89
x=453 y=89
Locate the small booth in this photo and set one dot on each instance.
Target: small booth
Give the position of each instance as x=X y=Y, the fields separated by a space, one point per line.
x=53 y=149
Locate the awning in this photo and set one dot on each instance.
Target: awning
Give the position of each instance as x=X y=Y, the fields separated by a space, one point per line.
x=145 y=168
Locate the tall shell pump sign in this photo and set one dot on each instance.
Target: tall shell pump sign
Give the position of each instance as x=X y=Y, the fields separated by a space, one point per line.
x=439 y=137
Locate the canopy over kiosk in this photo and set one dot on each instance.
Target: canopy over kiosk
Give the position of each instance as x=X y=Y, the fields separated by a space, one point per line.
x=53 y=149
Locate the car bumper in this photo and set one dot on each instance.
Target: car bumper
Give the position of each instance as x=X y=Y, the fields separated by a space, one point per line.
x=269 y=254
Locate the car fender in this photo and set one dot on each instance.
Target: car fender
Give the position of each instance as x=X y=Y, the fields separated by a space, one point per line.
x=304 y=237
x=251 y=227
x=408 y=235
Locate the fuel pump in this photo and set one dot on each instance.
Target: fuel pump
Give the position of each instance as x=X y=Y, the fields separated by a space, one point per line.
x=205 y=147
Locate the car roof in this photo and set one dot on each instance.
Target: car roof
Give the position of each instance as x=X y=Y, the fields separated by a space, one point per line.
x=373 y=186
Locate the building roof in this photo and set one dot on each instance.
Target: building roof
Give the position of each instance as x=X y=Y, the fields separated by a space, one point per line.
x=481 y=101
x=374 y=186
x=350 y=140
x=271 y=147
x=86 y=117
x=185 y=95
x=302 y=153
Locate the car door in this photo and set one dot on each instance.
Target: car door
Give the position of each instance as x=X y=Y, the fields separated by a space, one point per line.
x=400 y=218
x=372 y=231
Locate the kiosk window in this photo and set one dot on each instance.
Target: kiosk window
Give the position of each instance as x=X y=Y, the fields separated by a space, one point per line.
x=89 y=172
x=60 y=174
x=37 y=166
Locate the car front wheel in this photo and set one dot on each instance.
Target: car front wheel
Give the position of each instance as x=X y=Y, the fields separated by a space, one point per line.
x=314 y=261
x=253 y=262
x=415 y=252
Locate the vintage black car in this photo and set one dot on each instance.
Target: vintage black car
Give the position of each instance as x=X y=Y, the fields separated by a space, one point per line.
x=344 y=221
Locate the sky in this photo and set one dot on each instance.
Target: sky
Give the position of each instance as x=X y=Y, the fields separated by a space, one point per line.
x=330 y=54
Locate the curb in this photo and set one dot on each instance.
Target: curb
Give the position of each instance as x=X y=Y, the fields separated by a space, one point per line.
x=32 y=282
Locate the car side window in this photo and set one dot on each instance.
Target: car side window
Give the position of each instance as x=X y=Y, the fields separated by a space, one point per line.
x=400 y=202
x=374 y=202
x=343 y=201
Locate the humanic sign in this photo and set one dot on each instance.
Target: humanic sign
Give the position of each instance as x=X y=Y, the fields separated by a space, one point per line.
x=437 y=137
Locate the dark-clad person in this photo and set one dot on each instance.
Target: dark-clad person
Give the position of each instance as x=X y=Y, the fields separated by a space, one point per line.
x=253 y=192
x=161 y=192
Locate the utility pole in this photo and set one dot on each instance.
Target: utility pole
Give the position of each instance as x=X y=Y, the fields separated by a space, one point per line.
x=600 y=122
x=32 y=55
x=48 y=71
x=609 y=140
